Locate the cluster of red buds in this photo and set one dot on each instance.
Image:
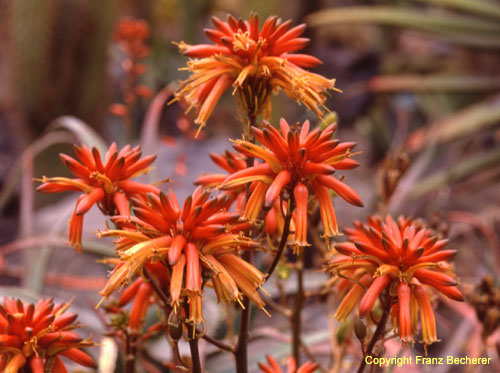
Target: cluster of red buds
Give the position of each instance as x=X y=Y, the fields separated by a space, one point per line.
x=256 y=62
x=131 y=36
x=292 y=165
x=398 y=261
x=38 y=336
x=103 y=182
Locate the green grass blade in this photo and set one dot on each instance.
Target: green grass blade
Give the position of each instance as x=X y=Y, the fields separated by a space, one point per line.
x=479 y=7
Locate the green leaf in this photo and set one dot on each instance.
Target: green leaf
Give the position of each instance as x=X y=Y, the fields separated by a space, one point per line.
x=150 y=134
x=39 y=145
x=427 y=20
x=479 y=7
x=82 y=131
x=465 y=122
x=444 y=25
x=459 y=172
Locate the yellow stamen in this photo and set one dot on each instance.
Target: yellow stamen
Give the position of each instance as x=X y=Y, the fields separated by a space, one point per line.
x=109 y=187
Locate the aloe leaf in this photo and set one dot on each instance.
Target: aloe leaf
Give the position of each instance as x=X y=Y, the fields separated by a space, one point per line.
x=479 y=7
x=433 y=83
x=401 y=16
x=459 y=172
x=17 y=292
x=82 y=131
x=149 y=133
x=448 y=26
x=12 y=180
x=468 y=121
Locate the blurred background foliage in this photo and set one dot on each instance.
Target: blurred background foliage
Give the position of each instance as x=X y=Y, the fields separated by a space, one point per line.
x=421 y=95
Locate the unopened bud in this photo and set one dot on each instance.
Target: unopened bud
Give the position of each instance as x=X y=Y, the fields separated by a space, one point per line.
x=378 y=349
x=360 y=329
x=174 y=326
x=283 y=271
x=391 y=179
x=377 y=312
x=328 y=119
x=342 y=332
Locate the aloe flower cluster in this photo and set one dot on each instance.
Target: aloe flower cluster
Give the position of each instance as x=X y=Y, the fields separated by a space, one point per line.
x=200 y=240
x=39 y=336
x=131 y=36
x=402 y=258
x=232 y=162
x=103 y=182
x=295 y=162
x=256 y=62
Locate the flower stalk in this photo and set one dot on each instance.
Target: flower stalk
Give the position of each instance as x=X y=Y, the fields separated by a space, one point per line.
x=241 y=348
x=283 y=241
x=130 y=354
x=379 y=333
x=193 y=347
x=219 y=344
x=297 y=309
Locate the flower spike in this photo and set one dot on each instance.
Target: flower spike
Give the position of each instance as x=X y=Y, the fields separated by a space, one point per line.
x=34 y=336
x=192 y=244
x=105 y=184
x=294 y=163
x=256 y=63
x=401 y=259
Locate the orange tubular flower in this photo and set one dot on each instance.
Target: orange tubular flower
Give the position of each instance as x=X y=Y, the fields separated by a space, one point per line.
x=426 y=315
x=36 y=336
x=232 y=163
x=192 y=244
x=293 y=161
x=399 y=259
x=352 y=298
x=128 y=324
x=291 y=366
x=140 y=306
x=256 y=62
x=106 y=184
